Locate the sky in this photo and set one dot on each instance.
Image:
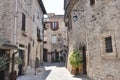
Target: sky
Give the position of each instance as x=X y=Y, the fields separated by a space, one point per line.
x=54 y=6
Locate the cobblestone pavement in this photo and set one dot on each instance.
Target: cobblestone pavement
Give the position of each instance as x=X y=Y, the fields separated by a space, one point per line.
x=54 y=71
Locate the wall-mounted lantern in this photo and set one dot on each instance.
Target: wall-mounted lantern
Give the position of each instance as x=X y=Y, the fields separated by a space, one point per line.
x=76 y=15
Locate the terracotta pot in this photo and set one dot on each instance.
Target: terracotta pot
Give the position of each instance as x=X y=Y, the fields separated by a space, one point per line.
x=13 y=76
x=80 y=68
x=74 y=71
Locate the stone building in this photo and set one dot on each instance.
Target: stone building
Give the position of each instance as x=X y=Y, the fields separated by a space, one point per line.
x=93 y=28
x=55 y=38
x=21 y=23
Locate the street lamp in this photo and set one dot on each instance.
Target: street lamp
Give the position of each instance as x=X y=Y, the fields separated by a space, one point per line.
x=76 y=16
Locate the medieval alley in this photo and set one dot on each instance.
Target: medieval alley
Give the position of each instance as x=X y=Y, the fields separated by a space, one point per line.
x=51 y=71
x=59 y=39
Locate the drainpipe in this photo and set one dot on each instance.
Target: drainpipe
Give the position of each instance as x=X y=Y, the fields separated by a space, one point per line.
x=13 y=62
x=15 y=25
x=15 y=32
x=14 y=38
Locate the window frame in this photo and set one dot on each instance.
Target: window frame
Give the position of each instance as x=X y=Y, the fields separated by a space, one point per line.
x=23 y=22
x=111 y=55
x=33 y=18
x=55 y=26
x=108 y=44
x=52 y=39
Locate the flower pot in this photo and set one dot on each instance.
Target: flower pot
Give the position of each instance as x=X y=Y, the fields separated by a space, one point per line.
x=80 y=68
x=74 y=71
x=13 y=75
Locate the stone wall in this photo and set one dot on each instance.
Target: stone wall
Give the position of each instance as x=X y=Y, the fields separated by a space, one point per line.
x=48 y=33
x=94 y=24
x=15 y=34
x=6 y=19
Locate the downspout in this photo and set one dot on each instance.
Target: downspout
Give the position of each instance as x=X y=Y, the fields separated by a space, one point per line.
x=15 y=33
x=15 y=26
x=13 y=62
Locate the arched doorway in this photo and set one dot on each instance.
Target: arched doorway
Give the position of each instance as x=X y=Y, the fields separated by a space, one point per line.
x=29 y=51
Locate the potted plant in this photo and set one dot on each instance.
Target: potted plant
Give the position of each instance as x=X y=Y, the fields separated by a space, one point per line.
x=15 y=60
x=75 y=61
x=3 y=63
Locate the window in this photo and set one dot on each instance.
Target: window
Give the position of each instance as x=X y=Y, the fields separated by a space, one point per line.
x=38 y=34
x=23 y=21
x=108 y=44
x=92 y=2
x=38 y=16
x=54 y=25
x=33 y=43
x=33 y=18
x=54 y=39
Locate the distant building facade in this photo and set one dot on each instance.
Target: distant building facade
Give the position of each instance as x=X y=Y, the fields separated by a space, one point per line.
x=93 y=28
x=55 y=38
x=21 y=23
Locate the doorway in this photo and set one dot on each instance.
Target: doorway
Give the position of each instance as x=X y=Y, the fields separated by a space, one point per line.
x=45 y=51
x=29 y=51
x=21 y=66
x=84 y=60
x=2 y=74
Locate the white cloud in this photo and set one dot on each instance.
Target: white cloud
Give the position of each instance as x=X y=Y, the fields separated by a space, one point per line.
x=54 y=6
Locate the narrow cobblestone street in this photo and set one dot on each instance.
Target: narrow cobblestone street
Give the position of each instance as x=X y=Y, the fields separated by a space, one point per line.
x=54 y=71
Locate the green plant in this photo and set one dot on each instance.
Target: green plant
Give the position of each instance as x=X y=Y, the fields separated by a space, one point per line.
x=75 y=58
x=18 y=60
x=3 y=63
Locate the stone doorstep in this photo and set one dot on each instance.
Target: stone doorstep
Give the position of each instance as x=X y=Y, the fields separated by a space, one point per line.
x=84 y=77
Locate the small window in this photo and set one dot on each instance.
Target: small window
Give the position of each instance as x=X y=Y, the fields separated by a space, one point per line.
x=92 y=2
x=108 y=44
x=23 y=21
x=54 y=39
x=54 y=25
x=33 y=43
x=33 y=18
x=38 y=32
x=38 y=16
